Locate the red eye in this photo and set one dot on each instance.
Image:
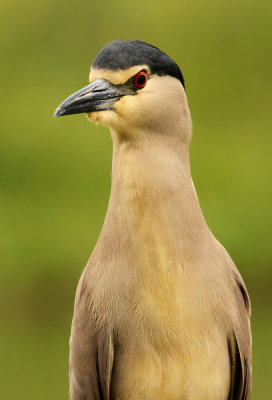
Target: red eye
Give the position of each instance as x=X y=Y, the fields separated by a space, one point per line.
x=140 y=79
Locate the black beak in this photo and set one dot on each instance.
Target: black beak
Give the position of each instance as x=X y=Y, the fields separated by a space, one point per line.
x=98 y=96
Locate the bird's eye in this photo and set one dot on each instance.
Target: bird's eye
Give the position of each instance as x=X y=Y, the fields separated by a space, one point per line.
x=140 y=80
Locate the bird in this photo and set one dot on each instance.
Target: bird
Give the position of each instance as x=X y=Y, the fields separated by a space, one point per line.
x=161 y=311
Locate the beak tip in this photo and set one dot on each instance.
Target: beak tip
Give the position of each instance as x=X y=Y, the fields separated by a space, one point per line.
x=59 y=112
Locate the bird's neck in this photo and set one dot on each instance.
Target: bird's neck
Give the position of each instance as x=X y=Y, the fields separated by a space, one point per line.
x=152 y=202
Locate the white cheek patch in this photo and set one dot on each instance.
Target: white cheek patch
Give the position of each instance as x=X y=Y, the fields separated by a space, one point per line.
x=107 y=118
x=155 y=107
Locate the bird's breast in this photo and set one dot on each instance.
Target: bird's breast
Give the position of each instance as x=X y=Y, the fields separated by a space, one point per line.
x=169 y=348
x=169 y=342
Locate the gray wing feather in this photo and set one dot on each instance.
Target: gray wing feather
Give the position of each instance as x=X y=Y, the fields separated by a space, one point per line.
x=91 y=353
x=239 y=343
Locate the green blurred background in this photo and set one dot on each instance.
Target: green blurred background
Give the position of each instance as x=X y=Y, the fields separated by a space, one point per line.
x=55 y=173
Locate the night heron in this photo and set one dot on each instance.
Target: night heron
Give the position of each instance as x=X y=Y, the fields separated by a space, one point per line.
x=161 y=312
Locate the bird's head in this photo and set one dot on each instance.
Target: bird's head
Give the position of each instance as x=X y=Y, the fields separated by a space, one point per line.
x=134 y=87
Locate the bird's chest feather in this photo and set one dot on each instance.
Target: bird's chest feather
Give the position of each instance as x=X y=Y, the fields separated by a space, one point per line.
x=168 y=345
x=169 y=348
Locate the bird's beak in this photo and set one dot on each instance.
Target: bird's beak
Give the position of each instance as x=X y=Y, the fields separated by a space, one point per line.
x=98 y=96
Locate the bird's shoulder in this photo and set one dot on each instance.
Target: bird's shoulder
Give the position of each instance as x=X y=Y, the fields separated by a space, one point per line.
x=239 y=336
x=91 y=350
x=240 y=344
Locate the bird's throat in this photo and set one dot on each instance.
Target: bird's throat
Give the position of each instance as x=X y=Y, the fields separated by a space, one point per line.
x=153 y=206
